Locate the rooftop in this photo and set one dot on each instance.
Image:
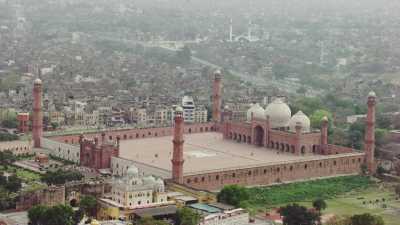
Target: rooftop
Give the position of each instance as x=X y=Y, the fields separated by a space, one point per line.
x=206 y=152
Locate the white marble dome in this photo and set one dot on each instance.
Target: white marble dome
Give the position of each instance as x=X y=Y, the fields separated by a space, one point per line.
x=257 y=111
x=300 y=117
x=38 y=81
x=132 y=171
x=279 y=113
x=149 y=180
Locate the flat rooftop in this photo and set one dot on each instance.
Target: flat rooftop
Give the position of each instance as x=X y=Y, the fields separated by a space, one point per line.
x=205 y=152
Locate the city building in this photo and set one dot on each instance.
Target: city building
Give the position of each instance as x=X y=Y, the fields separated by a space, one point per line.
x=188 y=109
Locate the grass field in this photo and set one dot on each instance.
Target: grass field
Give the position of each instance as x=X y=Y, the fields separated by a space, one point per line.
x=344 y=196
x=25 y=175
x=352 y=203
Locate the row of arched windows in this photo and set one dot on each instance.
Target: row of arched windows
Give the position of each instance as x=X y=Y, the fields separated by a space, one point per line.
x=143 y=134
x=271 y=170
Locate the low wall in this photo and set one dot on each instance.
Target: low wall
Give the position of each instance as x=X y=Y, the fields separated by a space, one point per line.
x=302 y=169
x=137 y=133
x=17 y=147
x=62 y=150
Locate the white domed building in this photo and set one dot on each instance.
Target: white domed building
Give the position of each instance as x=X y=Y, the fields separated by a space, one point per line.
x=255 y=112
x=275 y=128
x=134 y=191
x=300 y=118
x=279 y=114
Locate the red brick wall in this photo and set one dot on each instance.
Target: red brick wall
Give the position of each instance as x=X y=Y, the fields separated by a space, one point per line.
x=269 y=174
x=135 y=133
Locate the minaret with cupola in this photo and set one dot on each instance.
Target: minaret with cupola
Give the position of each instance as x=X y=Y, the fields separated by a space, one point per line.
x=37 y=118
x=216 y=98
x=177 y=155
x=369 y=144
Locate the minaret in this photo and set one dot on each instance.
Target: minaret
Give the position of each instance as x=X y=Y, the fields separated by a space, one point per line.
x=369 y=144
x=37 y=118
x=231 y=31
x=249 y=31
x=298 y=128
x=324 y=134
x=216 y=110
x=177 y=156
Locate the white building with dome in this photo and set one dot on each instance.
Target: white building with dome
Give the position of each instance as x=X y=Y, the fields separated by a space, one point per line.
x=136 y=191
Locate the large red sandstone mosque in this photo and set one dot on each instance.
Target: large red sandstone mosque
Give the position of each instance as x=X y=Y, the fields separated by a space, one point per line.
x=270 y=146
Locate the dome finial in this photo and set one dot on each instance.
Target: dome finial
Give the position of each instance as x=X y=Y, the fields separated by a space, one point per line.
x=372 y=94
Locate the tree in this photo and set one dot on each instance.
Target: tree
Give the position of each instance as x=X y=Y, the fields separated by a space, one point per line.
x=187 y=216
x=301 y=90
x=61 y=177
x=366 y=219
x=56 y=215
x=319 y=204
x=54 y=125
x=233 y=195
x=8 y=137
x=317 y=116
x=295 y=214
x=60 y=215
x=88 y=205
x=37 y=215
x=13 y=184
x=151 y=221
x=10 y=123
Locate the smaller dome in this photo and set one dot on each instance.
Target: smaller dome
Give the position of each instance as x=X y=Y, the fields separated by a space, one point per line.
x=38 y=81
x=160 y=181
x=132 y=171
x=95 y=222
x=149 y=180
x=372 y=94
x=178 y=109
x=257 y=111
x=300 y=119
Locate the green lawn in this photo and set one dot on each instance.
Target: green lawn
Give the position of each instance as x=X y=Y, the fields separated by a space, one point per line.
x=25 y=175
x=352 y=203
x=344 y=196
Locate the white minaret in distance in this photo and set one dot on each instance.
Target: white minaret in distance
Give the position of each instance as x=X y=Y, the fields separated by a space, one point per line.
x=231 y=31
x=249 y=31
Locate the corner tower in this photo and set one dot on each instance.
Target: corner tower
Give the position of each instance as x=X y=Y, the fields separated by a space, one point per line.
x=369 y=144
x=177 y=156
x=216 y=98
x=37 y=118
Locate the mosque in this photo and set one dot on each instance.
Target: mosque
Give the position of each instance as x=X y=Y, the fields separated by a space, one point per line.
x=270 y=146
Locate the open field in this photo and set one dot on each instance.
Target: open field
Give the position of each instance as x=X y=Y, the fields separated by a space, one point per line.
x=352 y=203
x=25 y=175
x=344 y=196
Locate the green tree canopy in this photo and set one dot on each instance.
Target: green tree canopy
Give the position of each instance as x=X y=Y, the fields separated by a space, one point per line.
x=317 y=116
x=366 y=219
x=61 y=177
x=233 y=195
x=295 y=214
x=319 y=204
x=88 y=204
x=187 y=216
x=57 y=215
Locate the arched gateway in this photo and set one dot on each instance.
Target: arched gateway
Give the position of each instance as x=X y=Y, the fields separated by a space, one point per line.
x=259 y=136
